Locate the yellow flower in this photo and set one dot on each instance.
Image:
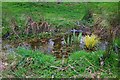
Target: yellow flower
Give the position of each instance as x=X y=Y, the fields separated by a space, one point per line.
x=91 y=41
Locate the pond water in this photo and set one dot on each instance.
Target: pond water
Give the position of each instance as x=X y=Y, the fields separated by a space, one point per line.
x=55 y=46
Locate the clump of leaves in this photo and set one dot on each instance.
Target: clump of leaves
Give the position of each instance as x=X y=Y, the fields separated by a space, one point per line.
x=91 y=41
x=75 y=38
x=68 y=41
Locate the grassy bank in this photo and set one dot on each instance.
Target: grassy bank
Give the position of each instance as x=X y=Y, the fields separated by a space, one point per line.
x=64 y=14
x=79 y=64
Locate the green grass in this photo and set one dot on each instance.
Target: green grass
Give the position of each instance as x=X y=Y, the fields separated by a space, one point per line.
x=58 y=15
x=43 y=59
x=50 y=11
x=117 y=42
x=78 y=64
x=61 y=15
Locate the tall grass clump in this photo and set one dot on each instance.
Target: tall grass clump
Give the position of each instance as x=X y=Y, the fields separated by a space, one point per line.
x=68 y=41
x=75 y=38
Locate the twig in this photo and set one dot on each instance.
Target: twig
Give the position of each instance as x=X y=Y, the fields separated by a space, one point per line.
x=16 y=33
x=59 y=68
x=89 y=62
x=54 y=67
x=73 y=69
x=94 y=65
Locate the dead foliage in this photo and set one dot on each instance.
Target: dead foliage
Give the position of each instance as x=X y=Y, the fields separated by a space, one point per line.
x=36 y=27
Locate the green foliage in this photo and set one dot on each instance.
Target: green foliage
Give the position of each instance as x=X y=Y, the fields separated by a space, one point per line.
x=36 y=55
x=68 y=41
x=84 y=54
x=90 y=60
x=117 y=42
x=75 y=38
x=79 y=63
